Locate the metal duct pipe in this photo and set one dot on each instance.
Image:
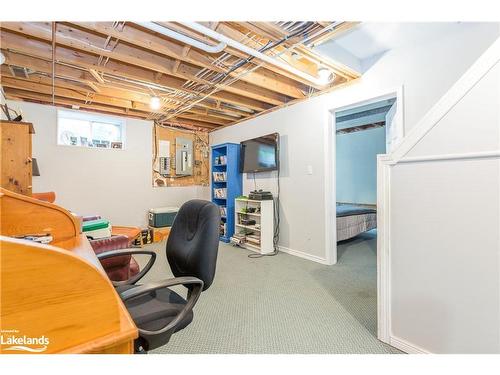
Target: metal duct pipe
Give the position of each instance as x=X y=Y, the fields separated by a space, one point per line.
x=182 y=38
x=250 y=51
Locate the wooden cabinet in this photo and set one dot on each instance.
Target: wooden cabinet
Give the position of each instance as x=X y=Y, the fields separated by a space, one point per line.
x=15 y=156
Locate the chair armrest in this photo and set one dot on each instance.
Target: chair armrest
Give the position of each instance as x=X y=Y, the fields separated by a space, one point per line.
x=193 y=296
x=140 y=275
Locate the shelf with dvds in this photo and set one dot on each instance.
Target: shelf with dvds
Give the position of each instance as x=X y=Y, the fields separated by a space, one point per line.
x=226 y=184
x=254 y=225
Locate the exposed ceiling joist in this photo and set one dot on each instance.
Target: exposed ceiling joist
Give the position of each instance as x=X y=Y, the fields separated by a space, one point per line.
x=99 y=66
x=87 y=61
x=72 y=37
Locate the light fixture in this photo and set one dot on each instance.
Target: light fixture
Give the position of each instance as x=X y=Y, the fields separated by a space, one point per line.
x=155 y=103
x=2 y=58
x=325 y=75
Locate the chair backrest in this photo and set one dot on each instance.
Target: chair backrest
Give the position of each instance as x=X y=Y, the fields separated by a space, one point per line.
x=193 y=241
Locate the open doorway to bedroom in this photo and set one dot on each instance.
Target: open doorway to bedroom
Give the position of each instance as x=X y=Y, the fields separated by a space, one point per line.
x=361 y=133
x=351 y=123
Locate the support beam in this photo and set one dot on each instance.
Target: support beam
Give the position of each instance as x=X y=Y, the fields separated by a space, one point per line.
x=53 y=61
x=135 y=35
x=87 y=42
x=83 y=76
x=96 y=75
x=16 y=94
x=93 y=87
x=72 y=92
x=116 y=67
x=38 y=49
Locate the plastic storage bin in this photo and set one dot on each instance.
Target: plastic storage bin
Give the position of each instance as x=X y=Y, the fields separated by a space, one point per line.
x=162 y=216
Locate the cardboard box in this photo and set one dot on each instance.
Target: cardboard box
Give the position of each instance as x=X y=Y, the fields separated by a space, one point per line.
x=160 y=234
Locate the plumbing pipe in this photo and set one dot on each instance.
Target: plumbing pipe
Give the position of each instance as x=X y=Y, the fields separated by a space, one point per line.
x=182 y=38
x=250 y=51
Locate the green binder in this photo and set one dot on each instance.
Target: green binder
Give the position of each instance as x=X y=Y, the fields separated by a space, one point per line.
x=94 y=225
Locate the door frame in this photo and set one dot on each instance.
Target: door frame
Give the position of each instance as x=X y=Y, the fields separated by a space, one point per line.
x=330 y=157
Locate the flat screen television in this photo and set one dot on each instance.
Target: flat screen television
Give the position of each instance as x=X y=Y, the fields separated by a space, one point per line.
x=260 y=154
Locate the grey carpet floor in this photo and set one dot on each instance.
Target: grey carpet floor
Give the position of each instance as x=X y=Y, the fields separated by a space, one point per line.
x=283 y=304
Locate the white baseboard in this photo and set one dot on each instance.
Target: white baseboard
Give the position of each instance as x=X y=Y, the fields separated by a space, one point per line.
x=301 y=254
x=406 y=347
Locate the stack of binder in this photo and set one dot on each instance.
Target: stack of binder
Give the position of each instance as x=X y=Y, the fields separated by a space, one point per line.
x=96 y=229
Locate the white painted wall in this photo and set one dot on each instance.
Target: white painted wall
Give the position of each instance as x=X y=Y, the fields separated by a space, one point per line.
x=340 y=55
x=426 y=72
x=116 y=184
x=441 y=237
x=356 y=162
x=444 y=226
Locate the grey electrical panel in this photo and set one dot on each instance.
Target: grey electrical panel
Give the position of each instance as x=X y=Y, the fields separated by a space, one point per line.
x=183 y=156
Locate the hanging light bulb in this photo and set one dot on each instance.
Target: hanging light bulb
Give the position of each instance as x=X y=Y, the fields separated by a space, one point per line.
x=155 y=103
x=325 y=75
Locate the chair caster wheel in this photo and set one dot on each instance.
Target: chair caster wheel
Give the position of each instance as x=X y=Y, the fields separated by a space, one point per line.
x=140 y=350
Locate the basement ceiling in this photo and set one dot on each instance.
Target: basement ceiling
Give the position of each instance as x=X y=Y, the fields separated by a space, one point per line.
x=117 y=67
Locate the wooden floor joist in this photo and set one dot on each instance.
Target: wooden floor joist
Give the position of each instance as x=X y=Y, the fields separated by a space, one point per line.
x=102 y=67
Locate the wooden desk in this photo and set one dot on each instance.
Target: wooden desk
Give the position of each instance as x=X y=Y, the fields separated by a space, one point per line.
x=118 y=342
x=59 y=292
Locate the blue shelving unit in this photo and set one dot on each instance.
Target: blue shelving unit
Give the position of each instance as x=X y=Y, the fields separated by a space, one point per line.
x=226 y=158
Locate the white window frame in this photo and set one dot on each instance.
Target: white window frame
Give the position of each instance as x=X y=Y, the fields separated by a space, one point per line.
x=92 y=118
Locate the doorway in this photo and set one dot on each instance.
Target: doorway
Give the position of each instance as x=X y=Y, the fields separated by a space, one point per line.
x=378 y=112
x=360 y=135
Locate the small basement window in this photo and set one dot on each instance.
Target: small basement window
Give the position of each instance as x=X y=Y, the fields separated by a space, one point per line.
x=83 y=129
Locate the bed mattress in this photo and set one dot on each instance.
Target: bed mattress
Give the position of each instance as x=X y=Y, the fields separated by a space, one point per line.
x=353 y=220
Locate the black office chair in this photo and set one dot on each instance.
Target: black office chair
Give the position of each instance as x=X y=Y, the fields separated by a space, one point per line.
x=191 y=250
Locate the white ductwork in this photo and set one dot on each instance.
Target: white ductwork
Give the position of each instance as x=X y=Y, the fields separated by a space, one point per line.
x=182 y=38
x=250 y=51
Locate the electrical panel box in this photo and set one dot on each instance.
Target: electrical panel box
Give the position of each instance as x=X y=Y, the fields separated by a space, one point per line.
x=183 y=156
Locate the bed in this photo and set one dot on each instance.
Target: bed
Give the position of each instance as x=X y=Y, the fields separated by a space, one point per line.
x=353 y=219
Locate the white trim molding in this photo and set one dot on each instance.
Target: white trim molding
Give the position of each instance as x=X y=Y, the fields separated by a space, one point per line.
x=383 y=248
x=452 y=97
x=385 y=164
x=407 y=347
x=301 y=254
x=463 y=156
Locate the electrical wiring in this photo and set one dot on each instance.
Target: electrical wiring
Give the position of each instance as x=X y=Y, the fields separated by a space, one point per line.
x=220 y=85
x=196 y=142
